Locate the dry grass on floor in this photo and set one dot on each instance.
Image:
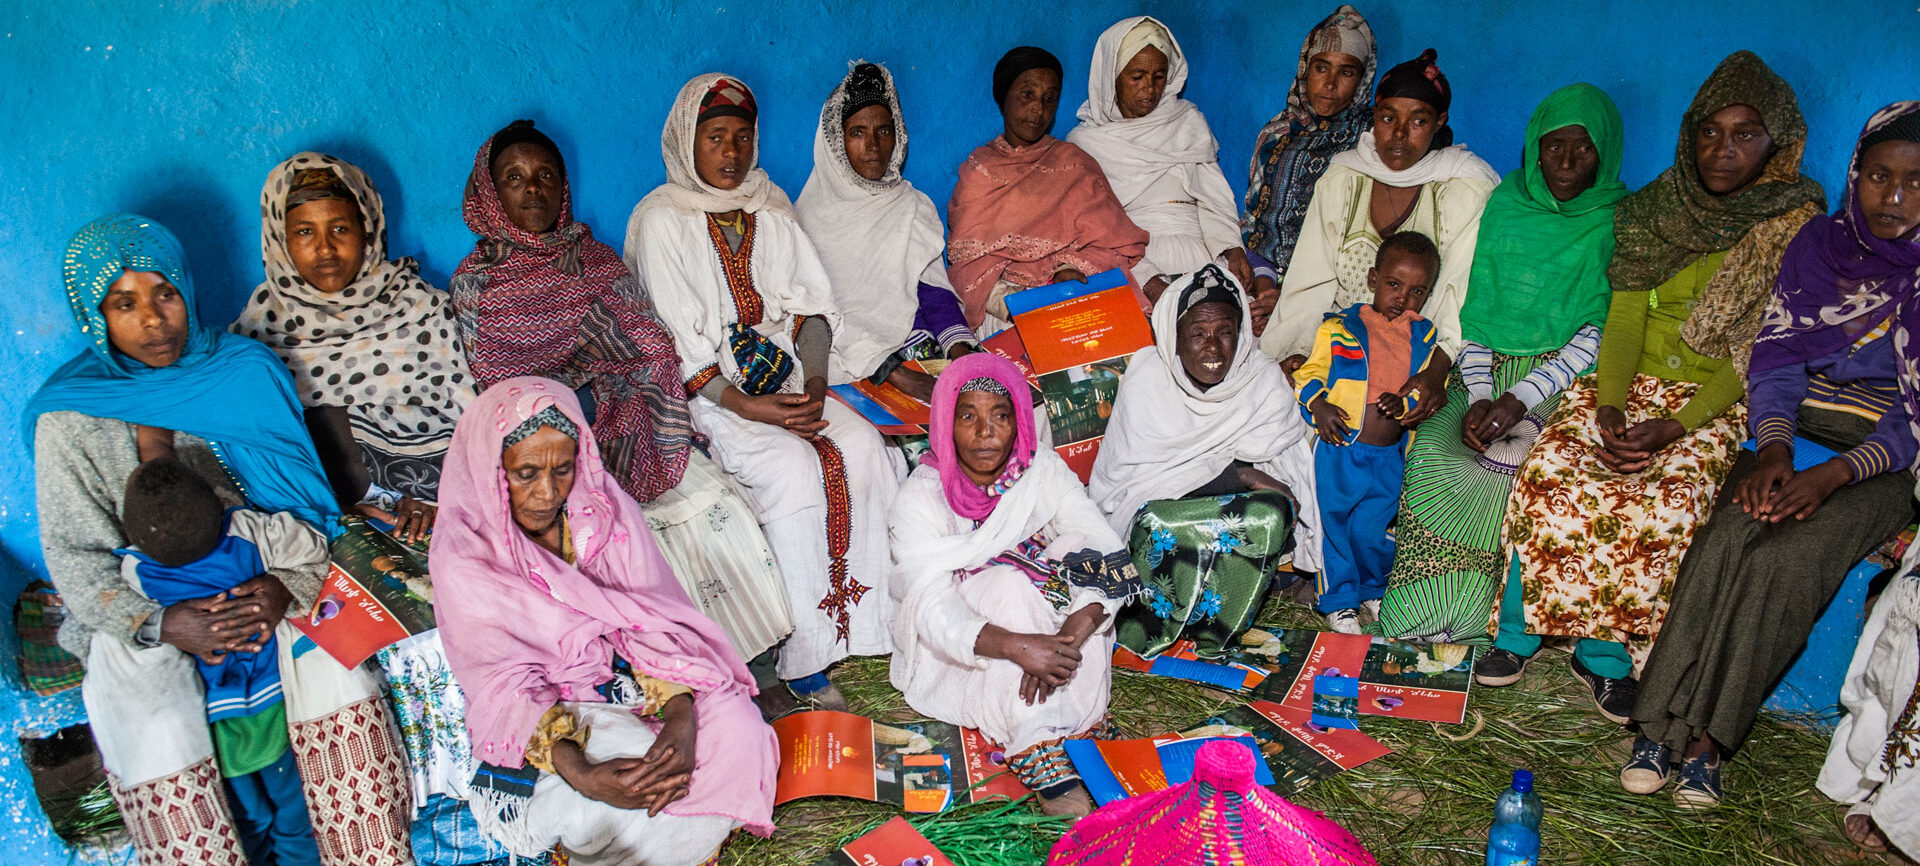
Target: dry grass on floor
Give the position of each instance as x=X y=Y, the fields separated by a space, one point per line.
x=1431 y=800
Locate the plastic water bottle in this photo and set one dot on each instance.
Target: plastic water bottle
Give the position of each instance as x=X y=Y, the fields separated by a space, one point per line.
x=1515 y=837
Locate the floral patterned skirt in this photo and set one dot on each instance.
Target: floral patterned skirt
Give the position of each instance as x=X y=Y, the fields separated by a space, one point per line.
x=1207 y=563
x=1599 y=551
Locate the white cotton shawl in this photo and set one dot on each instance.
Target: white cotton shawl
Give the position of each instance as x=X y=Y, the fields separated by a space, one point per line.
x=1135 y=153
x=1167 y=437
x=1440 y=164
x=875 y=237
x=684 y=190
x=931 y=542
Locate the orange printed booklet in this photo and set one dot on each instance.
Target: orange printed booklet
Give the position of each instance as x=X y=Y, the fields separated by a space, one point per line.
x=890 y=410
x=894 y=843
x=1077 y=347
x=919 y=766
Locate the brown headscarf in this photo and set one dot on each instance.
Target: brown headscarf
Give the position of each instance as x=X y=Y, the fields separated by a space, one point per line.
x=1674 y=220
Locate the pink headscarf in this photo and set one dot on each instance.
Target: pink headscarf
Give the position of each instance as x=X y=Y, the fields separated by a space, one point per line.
x=525 y=629
x=968 y=499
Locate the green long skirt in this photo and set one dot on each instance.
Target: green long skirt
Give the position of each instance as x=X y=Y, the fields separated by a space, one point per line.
x=1207 y=563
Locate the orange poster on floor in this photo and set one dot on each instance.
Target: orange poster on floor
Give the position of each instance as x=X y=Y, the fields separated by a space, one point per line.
x=894 y=843
x=922 y=767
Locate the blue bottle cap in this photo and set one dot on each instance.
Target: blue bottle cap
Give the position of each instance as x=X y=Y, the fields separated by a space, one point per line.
x=1523 y=780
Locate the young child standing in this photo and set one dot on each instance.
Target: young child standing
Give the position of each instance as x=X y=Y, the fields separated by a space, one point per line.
x=185 y=545
x=1353 y=388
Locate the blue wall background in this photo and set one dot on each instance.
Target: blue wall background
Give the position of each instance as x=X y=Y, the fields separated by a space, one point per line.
x=177 y=110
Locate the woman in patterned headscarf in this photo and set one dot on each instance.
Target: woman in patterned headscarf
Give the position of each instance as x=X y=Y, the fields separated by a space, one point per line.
x=1404 y=174
x=746 y=298
x=1637 y=450
x=540 y=296
x=1328 y=107
x=373 y=350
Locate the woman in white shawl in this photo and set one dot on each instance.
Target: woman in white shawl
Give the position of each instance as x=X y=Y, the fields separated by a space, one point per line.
x=1405 y=175
x=1208 y=469
x=740 y=287
x=1158 y=154
x=880 y=239
x=1007 y=579
x=1872 y=762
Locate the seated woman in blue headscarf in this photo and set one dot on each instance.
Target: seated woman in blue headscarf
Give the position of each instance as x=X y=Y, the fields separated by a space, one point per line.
x=152 y=383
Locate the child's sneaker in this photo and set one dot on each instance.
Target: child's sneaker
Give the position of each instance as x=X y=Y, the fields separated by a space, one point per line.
x=1345 y=621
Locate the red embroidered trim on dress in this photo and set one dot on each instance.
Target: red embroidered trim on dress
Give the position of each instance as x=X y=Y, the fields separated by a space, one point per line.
x=738 y=267
x=845 y=592
x=701 y=379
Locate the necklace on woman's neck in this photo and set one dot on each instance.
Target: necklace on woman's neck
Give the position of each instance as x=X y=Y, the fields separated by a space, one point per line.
x=738 y=223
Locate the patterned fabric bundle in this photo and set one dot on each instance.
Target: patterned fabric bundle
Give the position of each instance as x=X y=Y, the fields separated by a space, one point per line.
x=1218 y=816
x=764 y=366
x=562 y=305
x=383 y=347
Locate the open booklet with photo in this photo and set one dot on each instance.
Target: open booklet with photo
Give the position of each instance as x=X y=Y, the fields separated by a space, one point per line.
x=919 y=766
x=1296 y=751
x=894 y=843
x=890 y=410
x=376 y=594
x=1428 y=682
x=1239 y=669
x=1078 y=338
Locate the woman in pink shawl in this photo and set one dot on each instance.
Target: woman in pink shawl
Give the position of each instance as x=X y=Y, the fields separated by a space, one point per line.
x=1008 y=578
x=563 y=621
x=1030 y=209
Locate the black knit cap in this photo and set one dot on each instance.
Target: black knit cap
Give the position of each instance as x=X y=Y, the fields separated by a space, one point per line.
x=1017 y=61
x=522 y=132
x=866 y=87
x=1421 y=79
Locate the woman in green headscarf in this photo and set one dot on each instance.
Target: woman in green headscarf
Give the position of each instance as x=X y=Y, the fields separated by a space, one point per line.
x=1532 y=323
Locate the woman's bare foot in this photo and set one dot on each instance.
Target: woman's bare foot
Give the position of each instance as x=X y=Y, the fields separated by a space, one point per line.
x=1861 y=828
x=1075 y=803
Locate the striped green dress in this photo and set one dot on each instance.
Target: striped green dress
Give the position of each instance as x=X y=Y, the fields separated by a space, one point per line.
x=1448 y=560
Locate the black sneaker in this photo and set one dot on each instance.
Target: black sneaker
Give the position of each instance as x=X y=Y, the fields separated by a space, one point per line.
x=1613 y=697
x=1498 y=667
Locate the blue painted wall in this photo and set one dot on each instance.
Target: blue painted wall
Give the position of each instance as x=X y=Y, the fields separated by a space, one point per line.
x=177 y=110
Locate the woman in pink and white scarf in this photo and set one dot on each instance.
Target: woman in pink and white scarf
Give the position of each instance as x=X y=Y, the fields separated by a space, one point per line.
x=563 y=621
